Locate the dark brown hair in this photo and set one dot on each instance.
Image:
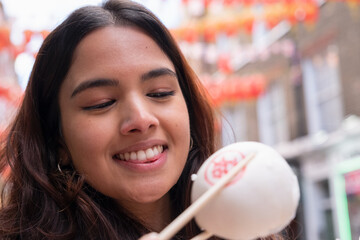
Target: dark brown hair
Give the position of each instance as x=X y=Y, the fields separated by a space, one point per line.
x=40 y=202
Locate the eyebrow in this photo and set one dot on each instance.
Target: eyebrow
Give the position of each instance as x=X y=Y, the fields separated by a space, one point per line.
x=158 y=72
x=102 y=82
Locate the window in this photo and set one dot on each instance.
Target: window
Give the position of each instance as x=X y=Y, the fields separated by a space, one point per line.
x=322 y=91
x=271 y=110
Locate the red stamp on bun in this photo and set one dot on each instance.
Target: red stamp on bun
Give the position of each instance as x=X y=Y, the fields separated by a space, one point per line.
x=221 y=164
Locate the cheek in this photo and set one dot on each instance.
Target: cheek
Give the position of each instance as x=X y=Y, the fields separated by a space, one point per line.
x=82 y=137
x=181 y=127
x=179 y=116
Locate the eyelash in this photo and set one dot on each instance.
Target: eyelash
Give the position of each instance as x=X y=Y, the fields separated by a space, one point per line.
x=161 y=94
x=100 y=106
x=109 y=103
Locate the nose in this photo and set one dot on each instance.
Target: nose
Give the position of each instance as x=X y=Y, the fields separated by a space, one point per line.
x=138 y=116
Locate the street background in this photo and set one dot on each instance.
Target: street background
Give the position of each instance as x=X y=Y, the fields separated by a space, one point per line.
x=282 y=72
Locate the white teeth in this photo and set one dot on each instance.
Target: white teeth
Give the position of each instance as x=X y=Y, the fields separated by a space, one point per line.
x=133 y=156
x=149 y=153
x=155 y=151
x=142 y=154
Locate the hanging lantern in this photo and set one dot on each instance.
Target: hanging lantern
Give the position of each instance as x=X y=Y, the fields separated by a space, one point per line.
x=4 y=37
x=12 y=95
x=235 y=88
x=210 y=34
x=248 y=20
x=312 y=12
x=248 y=2
x=229 y=2
x=273 y=14
x=44 y=33
x=28 y=35
x=257 y=85
x=190 y=35
x=224 y=64
x=231 y=28
x=206 y=3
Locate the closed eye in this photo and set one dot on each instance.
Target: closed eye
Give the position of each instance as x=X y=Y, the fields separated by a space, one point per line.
x=161 y=94
x=99 y=106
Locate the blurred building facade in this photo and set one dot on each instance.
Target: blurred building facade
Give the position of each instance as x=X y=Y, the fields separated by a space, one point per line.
x=325 y=131
x=308 y=110
x=309 y=113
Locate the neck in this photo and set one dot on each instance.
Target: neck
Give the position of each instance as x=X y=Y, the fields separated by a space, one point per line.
x=155 y=215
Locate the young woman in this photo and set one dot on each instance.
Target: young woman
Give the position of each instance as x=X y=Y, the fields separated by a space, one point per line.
x=112 y=125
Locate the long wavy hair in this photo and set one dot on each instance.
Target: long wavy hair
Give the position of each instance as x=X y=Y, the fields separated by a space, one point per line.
x=40 y=202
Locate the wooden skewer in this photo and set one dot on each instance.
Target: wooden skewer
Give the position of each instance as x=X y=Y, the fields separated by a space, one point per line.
x=202 y=236
x=196 y=206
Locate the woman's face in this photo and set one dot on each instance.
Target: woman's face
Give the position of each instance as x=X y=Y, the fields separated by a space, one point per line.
x=123 y=116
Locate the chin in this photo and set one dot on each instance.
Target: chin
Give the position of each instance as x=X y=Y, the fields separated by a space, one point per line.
x=150 y=197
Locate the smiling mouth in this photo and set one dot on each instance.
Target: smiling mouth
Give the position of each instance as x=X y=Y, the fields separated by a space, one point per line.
x=146 y=155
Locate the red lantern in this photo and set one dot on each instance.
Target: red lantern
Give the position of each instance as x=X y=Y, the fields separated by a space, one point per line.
x=248 y=27
x=12 y=95
x=4 y=37
x=28 y=35
x=210 y=34
x=190 y=35
x=4 y=92
x=229 y=2
x=311 y=13
x=44 y=33
x=257 y=86
x=224 y=64
x=231 y=28
x=248 y=2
